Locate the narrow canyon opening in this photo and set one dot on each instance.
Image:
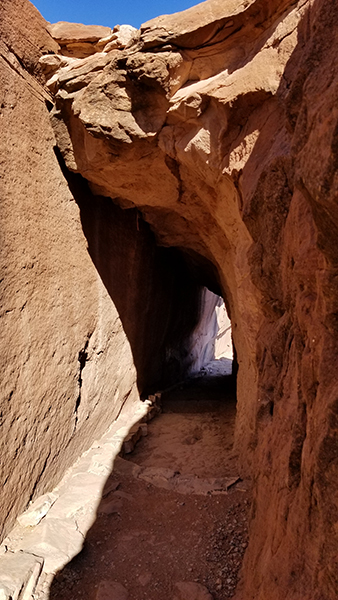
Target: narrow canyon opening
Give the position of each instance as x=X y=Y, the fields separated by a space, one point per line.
x=173 y=513
x=174 y=509
x=169 y=298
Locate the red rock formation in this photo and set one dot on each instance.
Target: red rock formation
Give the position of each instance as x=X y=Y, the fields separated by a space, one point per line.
x=220 y=126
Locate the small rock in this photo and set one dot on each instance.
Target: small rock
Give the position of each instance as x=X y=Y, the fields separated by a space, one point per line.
x=145 y=578
x=111 y=590
x=110 y=487
x=111 y=507
x=144 y=429
x=190 y=590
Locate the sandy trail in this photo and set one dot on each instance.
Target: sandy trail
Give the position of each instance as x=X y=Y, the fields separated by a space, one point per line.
x=148 y=535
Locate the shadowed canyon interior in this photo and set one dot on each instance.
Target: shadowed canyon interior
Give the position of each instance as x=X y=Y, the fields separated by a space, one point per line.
x=199 y=152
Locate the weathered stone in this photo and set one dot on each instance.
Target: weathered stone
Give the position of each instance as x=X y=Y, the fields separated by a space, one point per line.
x=109 y=508
x=77 y=40
x=111 y=486
x=33 y=515
x=219 y=126
x=19 y=573
x=66 y=33
x=51 y=63
x=56 y=540
x=216 y=157
x=128 y=446
x=131 y=439
x=144 y=429
x=61 y=305
x=122 y=36
x=186 y=484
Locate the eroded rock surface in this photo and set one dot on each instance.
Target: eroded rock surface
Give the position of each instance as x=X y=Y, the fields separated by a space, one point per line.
x=219 y=124
x=79 y=41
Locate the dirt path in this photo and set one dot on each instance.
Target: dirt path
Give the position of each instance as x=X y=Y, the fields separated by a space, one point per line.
x=165 y=516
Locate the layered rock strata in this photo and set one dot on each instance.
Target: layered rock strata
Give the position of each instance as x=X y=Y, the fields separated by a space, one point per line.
x=220 y=125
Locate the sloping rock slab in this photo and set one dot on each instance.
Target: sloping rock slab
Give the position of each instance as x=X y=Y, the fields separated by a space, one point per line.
x=186 y=484
x=19 y=573
x=66 y=33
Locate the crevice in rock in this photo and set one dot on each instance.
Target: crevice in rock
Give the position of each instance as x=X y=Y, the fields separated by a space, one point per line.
x=298 y=439
x=82 y=359
x=38 y=478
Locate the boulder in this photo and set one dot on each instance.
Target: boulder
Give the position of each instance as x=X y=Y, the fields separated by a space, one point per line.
x=78 y=40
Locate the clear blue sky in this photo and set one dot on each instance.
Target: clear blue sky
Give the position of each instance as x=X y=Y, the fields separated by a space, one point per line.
x=109 y=12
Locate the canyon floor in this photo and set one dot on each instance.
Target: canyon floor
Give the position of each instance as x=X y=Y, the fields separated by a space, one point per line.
x=174 y=510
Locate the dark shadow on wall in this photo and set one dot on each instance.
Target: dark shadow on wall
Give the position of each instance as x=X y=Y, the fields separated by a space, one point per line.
x=156 y=293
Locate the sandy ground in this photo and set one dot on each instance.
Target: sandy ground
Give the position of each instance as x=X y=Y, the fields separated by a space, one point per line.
x=149 y=536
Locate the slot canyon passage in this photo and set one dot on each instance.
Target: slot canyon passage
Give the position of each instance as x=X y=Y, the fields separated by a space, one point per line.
x=137 y=168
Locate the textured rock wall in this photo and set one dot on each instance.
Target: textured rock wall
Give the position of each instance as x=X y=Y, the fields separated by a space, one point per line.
x=66 y=364
x=296 y=492
x=220 y=125
x=203 y=347
x=61 y=337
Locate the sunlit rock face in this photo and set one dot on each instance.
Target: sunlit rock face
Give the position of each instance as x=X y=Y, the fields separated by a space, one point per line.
x=219 y=125
x=210 y=347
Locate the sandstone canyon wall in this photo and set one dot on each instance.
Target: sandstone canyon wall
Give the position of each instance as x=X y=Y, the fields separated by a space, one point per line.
x=85 y=293
x=61 y=377
x=219 y=126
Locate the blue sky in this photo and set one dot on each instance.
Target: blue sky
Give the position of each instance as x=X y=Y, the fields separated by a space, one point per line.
x=109 y=12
